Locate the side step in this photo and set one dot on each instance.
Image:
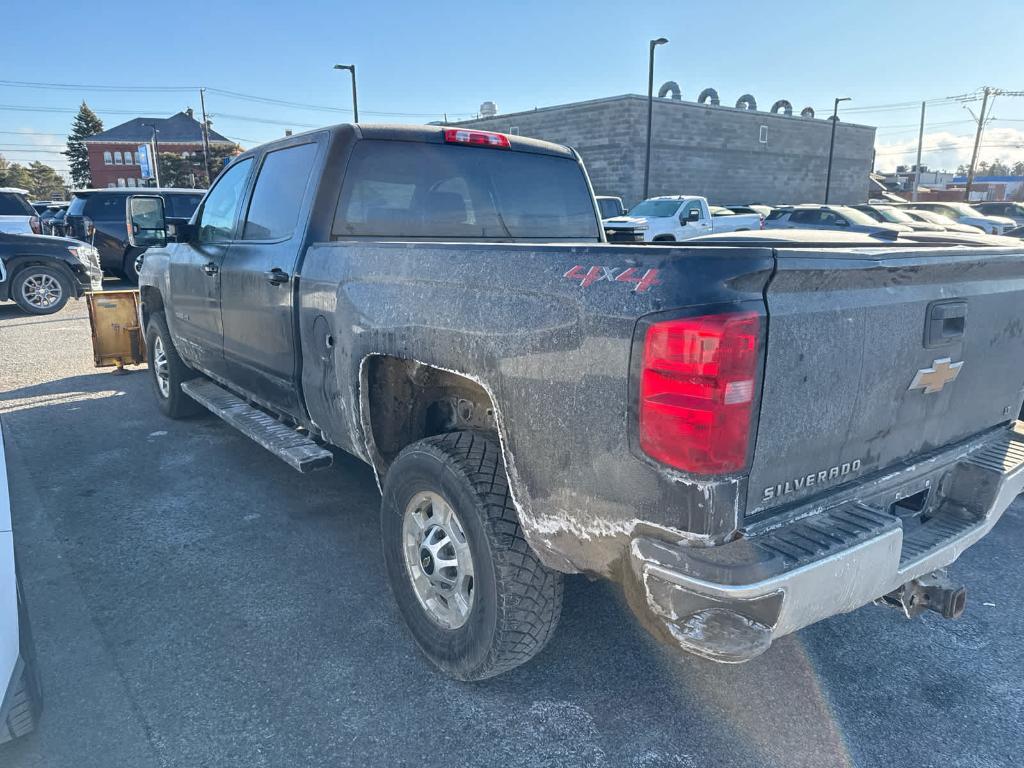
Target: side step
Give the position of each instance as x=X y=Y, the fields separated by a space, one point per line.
x=293 y=448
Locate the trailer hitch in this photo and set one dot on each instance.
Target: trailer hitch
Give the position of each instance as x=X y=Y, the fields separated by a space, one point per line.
x=931 y=592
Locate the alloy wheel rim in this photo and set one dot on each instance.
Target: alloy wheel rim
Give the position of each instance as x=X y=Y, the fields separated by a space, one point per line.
x=42 y=291
x=161 y=370
x=438 y=559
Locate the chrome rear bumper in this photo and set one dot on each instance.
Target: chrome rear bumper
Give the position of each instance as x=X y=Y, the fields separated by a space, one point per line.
x=729 y=603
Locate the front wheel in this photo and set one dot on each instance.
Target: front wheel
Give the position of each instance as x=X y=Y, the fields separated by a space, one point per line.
x=474 y=595
x=132 y=266
x=41 y=290
x=168 y=371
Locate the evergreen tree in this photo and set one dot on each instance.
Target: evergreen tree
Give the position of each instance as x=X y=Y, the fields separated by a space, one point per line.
x=85 y=124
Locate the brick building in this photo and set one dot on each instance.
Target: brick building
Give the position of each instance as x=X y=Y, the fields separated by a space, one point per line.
x=114 y=153
x=728 y=155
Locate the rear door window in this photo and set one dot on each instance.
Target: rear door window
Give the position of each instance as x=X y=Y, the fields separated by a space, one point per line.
x=14 y=204
x=418 y=190
x=279 y=193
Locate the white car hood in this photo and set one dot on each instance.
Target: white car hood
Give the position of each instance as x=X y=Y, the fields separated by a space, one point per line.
x=621 y=222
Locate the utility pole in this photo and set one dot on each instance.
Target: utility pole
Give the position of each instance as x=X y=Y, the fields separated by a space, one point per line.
x=832 y=144
x=206 y=137
x=977 y=144
x=355 y=102
x=920 y=140
x=650 y=111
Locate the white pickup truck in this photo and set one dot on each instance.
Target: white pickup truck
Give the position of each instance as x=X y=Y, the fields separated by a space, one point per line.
x=677 y=217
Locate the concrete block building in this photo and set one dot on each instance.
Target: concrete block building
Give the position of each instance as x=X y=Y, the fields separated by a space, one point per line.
x=727 y=154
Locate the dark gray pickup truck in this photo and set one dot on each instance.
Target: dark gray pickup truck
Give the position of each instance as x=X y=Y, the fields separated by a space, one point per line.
x=749 y=437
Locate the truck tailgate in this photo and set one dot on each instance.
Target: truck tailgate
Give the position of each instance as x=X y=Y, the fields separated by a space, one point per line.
x=861 y=365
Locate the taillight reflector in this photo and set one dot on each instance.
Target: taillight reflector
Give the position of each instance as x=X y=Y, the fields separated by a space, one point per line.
x=697 y=391
x=34 y=225
x=476 y=138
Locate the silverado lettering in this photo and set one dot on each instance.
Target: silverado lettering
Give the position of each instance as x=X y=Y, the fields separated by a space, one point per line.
x=814 y=478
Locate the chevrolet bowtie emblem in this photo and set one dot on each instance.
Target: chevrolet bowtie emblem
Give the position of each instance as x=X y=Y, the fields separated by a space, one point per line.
x=935 y=378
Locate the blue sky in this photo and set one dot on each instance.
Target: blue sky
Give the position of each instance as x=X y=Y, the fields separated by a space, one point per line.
x=426 y=59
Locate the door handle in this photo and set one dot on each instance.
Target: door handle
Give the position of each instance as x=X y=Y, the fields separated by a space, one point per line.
x=276 y=276
x=211 y=268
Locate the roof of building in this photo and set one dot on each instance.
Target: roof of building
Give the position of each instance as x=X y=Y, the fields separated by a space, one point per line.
x=675 y=103
x=179 y=128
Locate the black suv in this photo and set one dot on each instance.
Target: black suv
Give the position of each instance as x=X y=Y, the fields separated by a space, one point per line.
x=97 y=216
x=41 y=273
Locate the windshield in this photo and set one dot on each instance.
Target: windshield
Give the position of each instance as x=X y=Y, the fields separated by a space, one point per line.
x=413 y=189
x=894 y=215
x=855 y=216
x=656 y=208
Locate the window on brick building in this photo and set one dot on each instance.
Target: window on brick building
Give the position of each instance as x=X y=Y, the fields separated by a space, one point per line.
x=118 y=160
x=107 y=160
x=120 y=182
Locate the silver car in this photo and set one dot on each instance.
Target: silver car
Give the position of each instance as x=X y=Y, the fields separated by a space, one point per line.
x=20 y=698
x=832 y=217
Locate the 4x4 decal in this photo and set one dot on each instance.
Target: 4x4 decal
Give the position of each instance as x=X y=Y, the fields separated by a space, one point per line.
x=593 y=275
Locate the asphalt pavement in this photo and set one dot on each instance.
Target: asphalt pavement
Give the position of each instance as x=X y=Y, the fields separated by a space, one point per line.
x=195 y=602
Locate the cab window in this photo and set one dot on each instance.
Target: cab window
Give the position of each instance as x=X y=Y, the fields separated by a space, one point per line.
x=216 y=223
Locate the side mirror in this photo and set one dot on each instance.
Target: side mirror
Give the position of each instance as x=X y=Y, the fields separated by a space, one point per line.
x=147 y=226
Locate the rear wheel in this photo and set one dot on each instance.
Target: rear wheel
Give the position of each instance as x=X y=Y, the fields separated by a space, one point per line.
x=41 y=290
x=664 y=239
x=474 y=595
x=168 y=371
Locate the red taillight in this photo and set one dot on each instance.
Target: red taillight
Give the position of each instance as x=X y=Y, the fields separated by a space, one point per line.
x=33 y=223
x=697 y=391
x=478 y=138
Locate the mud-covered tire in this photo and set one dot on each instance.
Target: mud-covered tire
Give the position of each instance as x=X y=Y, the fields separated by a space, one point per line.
x=167 y=371
x=516 y=601
x=41 y=290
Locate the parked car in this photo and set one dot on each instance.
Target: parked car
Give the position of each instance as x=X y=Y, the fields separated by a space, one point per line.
x=40 y=205
x=16 y=213
x=55 y=225
x=678 y=217
x=51 y=218
x=962 y=213
x=1009 y=209
x=750 y=439
x=893 y=215
x=20 y=693
x=761 y=210
x=609 y=206
x=840 y=217
x=944 y=222
x=41 y=273
x=97 y=216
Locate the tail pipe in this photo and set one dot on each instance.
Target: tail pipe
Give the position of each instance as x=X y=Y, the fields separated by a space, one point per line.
x=932 y=592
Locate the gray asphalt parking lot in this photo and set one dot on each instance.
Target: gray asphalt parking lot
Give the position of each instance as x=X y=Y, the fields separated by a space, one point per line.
x=195 y=602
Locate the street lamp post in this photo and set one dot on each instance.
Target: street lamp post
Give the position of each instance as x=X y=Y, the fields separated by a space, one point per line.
x=650 y=110
x=355 y=103
x=155 y=146
x=832 y=144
